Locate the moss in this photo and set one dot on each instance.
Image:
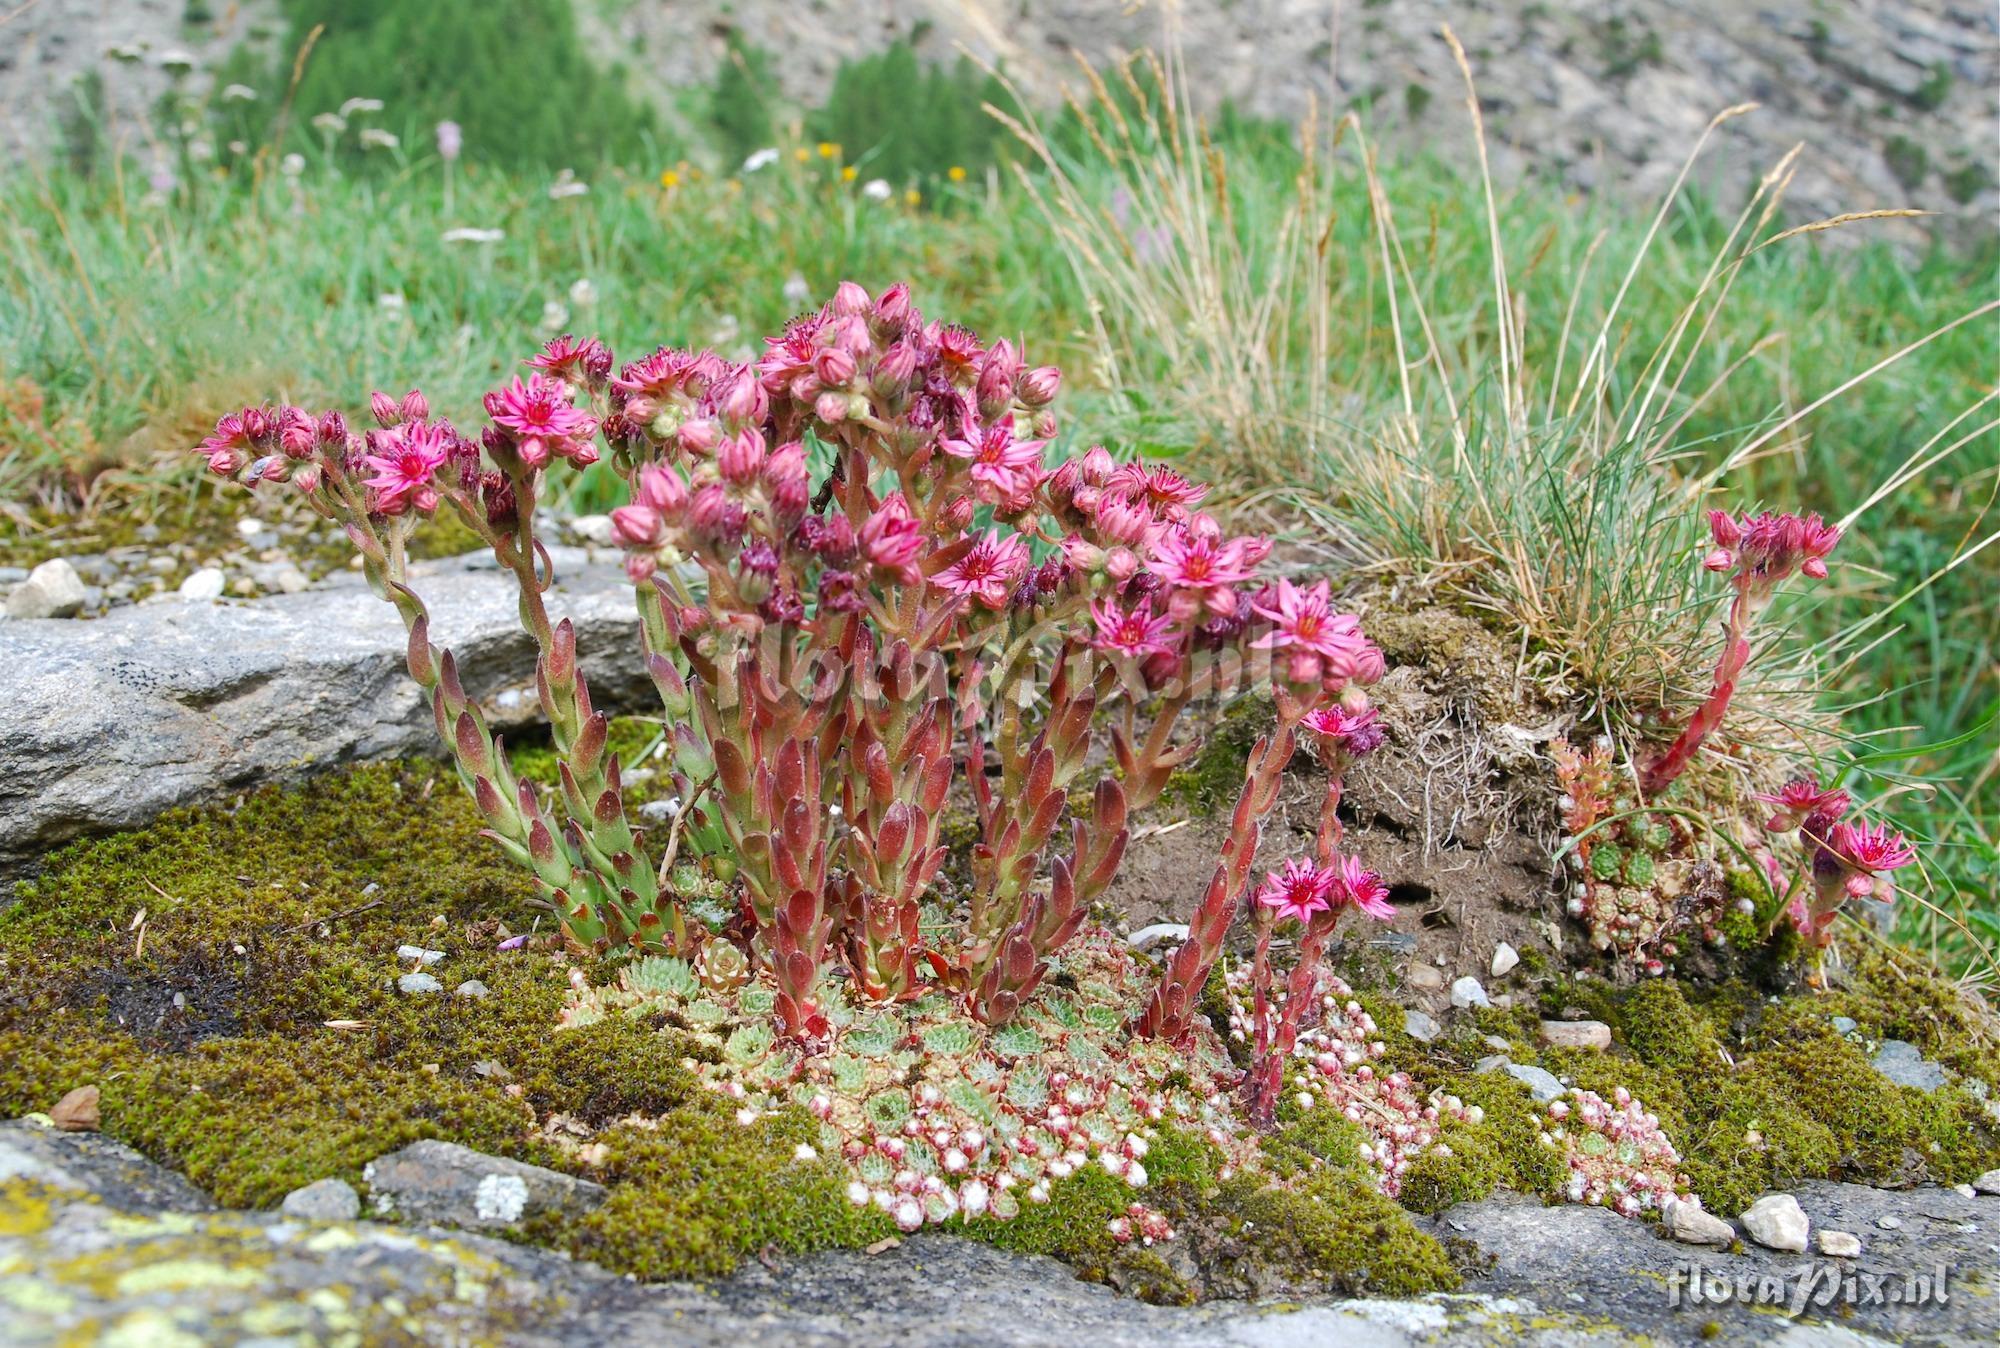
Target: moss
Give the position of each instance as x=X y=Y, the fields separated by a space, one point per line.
x=1659 y=1025
x=693 y=1191
x=1212 y=778
x=1334 y=1229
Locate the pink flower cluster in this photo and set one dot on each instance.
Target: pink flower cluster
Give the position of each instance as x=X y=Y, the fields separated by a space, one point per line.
x=1757 y=552
x=854 y=568
x=1845 y=859
x=1616 y=1155
x=1770 y=547
x=1301 y=891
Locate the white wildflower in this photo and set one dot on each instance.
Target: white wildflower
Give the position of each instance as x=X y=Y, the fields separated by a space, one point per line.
x=239 y=93
x=763 y=159
x=877 y=189
x=464 y=234
x=354 y=105
x=583 y=294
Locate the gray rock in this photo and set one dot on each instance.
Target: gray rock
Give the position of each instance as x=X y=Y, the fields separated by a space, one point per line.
x=472 y=990
x=52 y=590
x=1690 y=1225
x=592 y=529
x=417 y=952
x=13 y=575
x=1844 y=1025
x=418 y=984
x=1840 y=1244
x=1541 y=1083
x=1159 y=933
x=207 y=583
x=450 y=1185
x=1420 y=1026
x=1505 y=957
x=1988 y=1183
x=1467 y=992
x=327 y=1200
x=1582 y=1257
x=1552 y=1277
x=1777 y=1222
x=1401 y=944
x=90 y=1163
x=105 y=724
x=1576 y=1034
x=1905 y=1064
x=1424 y=977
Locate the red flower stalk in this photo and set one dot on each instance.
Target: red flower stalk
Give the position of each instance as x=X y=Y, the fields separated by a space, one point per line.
x=1757 y=553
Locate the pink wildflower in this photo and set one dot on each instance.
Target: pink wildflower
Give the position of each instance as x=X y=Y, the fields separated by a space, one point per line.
x=578 y=363
x=1865 y=852
x=892 y=540
x=1005 y=468
x=542 y=419
x=406 y=459
x=1349 y=733
x=1159 y=486
x=988 y=571
x=1800 y=799
x=1362 y=888
x=1203 y=567
x=1138 y=632
x=1767 y=548
x=1300 y=891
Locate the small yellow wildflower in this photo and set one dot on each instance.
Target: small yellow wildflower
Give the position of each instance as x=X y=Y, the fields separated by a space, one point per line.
x=670 y=179
x=847 y=173
x=914 y=197
x=827 y=149
x=956 y=173
x=802 y=154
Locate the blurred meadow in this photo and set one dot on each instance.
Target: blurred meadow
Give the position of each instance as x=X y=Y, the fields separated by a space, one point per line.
x=1520 y=403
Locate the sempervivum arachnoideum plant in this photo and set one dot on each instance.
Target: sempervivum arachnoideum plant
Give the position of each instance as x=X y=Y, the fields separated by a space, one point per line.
x=860 y=580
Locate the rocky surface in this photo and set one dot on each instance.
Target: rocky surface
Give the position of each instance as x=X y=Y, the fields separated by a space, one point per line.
x=1892 y=100
x=109 y=722
x=95 y=1239
x=444 y=1184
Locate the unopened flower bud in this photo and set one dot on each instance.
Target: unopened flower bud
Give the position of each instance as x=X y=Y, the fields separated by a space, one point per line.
x=834 y=367
x=1037 y=388
x=892 y=310
x=741 y=457
x=415 y=406
x=956 y=514
x=849 y=300
x=745 y=400
x=384 y=408
x=830 y=408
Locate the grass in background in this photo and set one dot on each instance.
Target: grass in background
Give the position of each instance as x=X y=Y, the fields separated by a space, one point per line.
x=1529 y=408
x=1209 y=291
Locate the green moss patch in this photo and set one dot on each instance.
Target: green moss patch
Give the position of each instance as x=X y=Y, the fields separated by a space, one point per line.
x=227 y=977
